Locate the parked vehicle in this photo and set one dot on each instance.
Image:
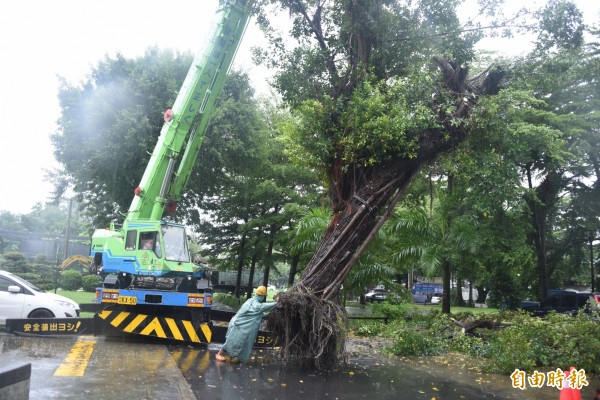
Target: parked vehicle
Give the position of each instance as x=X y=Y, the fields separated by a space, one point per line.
x=563 y=302
x=436 y=298
x=419 y=298
x=22 y=299
x=376 y=295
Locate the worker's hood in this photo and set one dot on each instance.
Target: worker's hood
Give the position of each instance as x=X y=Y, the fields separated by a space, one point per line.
x=260 y=298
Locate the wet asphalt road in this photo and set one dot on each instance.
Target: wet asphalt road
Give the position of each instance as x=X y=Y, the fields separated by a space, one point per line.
x=101 y=368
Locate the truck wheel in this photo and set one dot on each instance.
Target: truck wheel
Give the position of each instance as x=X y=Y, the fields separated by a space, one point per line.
x=123 y=281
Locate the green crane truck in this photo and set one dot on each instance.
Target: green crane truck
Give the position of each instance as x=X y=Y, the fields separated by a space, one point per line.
x=150 y=285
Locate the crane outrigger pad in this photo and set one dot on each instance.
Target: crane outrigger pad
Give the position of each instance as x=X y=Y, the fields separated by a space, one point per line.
x=155 y=326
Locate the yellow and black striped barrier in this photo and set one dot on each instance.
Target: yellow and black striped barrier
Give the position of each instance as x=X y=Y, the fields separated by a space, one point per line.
x=157 y=326
x=117 y=322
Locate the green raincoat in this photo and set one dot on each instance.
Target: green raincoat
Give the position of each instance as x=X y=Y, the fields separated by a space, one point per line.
x=243 y=327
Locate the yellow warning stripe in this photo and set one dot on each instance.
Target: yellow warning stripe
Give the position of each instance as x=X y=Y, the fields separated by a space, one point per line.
x=207 y=332
x=77 y=360
x=162 y=327
x=134 y=324
x=119 y=318
x=154 y=326
x=174 y=329
x=191 y=331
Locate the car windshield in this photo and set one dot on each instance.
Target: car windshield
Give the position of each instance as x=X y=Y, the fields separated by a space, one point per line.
x=25 y=283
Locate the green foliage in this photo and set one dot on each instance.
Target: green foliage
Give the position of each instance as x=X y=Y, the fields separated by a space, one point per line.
x=414 y=343
x=561 y=26
x=227 y=300
x=473 y=346
x=70 y=280
x=390 y=310
x=559 y=340
x=39 y=273
x=89 y=283
x=42 y=277
x=368 y=328
x=15 y=262
x=380 y=122
x=118 y=109
x=521 y=342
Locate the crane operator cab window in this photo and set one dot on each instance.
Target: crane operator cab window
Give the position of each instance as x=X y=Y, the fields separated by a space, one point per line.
x=175 y=243
x=150 y=241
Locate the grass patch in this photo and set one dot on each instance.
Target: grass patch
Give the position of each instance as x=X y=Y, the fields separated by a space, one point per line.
x=78 y=297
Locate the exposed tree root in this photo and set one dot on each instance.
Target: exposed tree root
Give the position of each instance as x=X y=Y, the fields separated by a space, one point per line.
x=313 y=330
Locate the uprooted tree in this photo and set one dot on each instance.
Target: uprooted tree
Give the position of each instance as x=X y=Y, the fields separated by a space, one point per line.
x=378 y=89
x=373 y=102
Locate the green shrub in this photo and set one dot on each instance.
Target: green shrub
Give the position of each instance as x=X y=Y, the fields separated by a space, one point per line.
x=511 y=349
x=91 y=282
x=391 y=311
x=557 y=341
x=70 y=280
x=473 y=346
x=44 y=281
x=415 y=343
x=369 y=328
x=228 y=300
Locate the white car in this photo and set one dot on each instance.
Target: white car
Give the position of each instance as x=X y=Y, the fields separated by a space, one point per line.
x=22 y=299
x=376 y=295
x=436 y=298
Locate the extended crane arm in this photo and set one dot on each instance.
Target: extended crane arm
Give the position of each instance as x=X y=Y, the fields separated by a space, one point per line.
x=185 y=125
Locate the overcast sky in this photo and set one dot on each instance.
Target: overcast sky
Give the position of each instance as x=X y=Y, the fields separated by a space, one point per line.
x=41 y=39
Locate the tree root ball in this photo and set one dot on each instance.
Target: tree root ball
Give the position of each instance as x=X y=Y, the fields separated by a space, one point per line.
x=312 y=330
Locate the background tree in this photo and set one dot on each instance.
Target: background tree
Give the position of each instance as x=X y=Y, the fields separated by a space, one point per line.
x=109 y=122
x=547 y=141
x=247 y=195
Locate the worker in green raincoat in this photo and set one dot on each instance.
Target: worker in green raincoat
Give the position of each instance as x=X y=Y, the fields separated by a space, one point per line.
x=243 y=327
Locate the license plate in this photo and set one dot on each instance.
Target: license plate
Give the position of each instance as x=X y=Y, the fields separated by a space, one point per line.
x=127 y=300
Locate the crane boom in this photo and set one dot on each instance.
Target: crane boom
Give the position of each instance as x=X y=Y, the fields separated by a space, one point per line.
x=185 y=125
x=151 y=286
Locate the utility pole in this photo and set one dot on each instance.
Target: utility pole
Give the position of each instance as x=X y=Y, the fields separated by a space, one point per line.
x=68 y=233
x=57 y=264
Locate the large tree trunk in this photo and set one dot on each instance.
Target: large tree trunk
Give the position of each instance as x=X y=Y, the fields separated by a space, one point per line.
x=446 y=285
x=362 y=199
x=240 y=267
x=293 y=269
x=540 y=205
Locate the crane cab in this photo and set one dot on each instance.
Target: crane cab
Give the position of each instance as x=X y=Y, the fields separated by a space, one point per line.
x=149 y=254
